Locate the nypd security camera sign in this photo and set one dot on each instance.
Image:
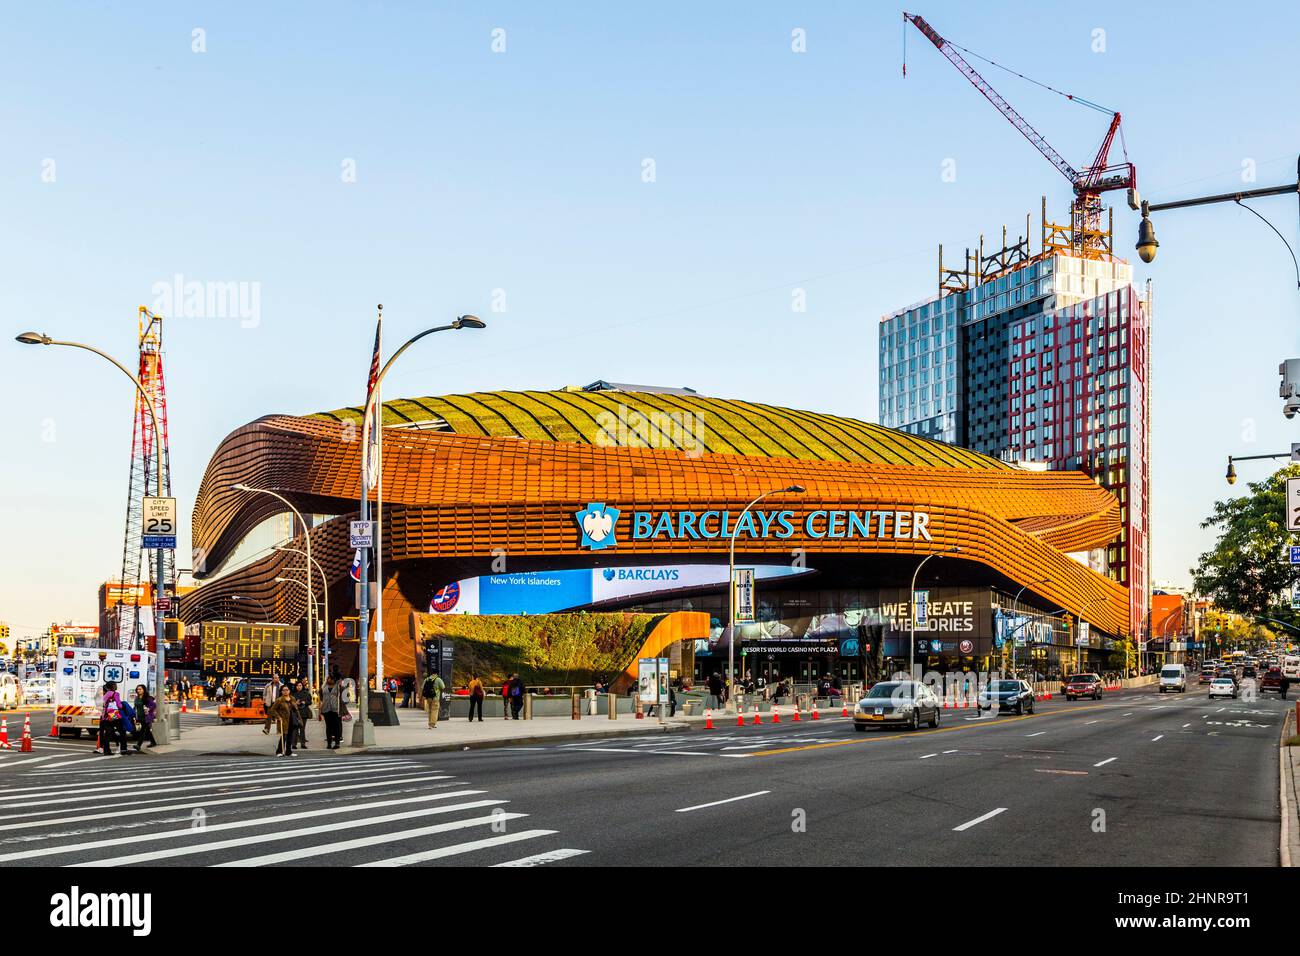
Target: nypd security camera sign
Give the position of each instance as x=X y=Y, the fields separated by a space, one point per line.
x=1293 y=504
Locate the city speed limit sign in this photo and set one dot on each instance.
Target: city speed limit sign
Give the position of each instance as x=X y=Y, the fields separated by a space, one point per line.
x=159 y=526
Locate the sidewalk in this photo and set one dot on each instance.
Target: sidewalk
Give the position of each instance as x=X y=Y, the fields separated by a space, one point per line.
x=413 y=735
x=1289 y=797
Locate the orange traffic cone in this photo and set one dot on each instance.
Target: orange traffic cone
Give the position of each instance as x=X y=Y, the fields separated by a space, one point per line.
x=757 y=717
x=27 y=735
x=196 y=705
x=4 y=733
x=184 y=711
x=814 y=713
x=740 y=717
x=708 y=720
x=776 y=715
x=844 y=710
x=54 y=725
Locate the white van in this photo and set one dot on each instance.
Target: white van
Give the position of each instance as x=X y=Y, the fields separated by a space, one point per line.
x=1173 y=677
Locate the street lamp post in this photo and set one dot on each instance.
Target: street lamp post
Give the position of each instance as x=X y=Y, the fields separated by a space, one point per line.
x=731 y=589
x=911 y=608
x=162 y=729
x=1231 y=475
x=1147 y=244
x=1015 y=603
x=323 y=664
x=363 y=731
x=306 y=534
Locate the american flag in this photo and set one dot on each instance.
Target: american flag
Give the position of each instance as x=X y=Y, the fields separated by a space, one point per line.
x=372 y=453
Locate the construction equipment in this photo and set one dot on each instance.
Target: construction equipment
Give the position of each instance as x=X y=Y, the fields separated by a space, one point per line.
x=1086 y=237
x=144 y=446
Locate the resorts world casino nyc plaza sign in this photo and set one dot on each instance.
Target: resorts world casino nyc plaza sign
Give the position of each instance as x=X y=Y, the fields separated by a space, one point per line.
x=599 y=525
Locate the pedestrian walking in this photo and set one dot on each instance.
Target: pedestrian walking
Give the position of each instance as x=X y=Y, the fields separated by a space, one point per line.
x=408 y=690
x=271 y=692
x=516 y=696
x=302 y=697
x=505 y=698
x=330 y=712
x=476 y=694
x=283 y=713
x=715 y=689
x=110 y=721
x=431 y=690
x=146 y=710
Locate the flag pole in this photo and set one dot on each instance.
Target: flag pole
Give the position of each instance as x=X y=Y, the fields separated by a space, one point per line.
x=377 y=436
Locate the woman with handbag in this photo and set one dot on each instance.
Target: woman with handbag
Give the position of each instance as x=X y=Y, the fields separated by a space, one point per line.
x=110 y=722
x=146 y=709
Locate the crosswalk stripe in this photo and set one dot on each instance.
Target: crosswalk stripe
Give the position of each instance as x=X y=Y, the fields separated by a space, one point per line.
x=538 y=859
x=361 y=842
x=171 y=852
x=235 y=825
x=156 y=766
x=46 y=798
x=263 y=793
x=442 y=852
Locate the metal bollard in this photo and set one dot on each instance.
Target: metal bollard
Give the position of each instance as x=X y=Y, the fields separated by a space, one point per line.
x=528 y=706
x=613 y=706
x=576 y=707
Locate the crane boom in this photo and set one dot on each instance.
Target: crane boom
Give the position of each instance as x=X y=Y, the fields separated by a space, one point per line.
x=1087 y=237
x=994 y=97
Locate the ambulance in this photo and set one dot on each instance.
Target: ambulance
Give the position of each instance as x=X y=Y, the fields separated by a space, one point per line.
x=80 y=675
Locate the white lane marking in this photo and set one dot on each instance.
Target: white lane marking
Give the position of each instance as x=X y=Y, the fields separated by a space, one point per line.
x=99 y=795
x=950 y=751
x=234 y=825
x=541 y=858
x=1038 y=734
x=250 y=839
x=460 y=848
x=718 y=803
x=361 y=842
x=970 y=823
x=72 y=763
x=1157 y=737
x=1106 y=761
x=129 y=781
x=644 y=753
x=1129 y=714
x=928 y=756
x=1186 y=726
x=1086 y=722
x=263 y=794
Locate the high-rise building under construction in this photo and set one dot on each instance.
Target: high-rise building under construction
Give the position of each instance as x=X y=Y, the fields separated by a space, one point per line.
x=1041 y=359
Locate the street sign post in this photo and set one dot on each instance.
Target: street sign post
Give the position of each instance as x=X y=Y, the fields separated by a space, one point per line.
x=922 y=600
x=745 y=597
x=1294 y=552
x=1293 y=504
x=159 y=524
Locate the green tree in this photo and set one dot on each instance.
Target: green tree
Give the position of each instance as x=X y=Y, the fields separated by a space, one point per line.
x=1247 y=571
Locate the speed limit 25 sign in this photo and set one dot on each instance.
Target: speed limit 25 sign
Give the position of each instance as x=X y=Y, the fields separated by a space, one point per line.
x=159 y=528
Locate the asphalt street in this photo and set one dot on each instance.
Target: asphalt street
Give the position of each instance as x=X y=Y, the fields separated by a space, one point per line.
x=1136 y=779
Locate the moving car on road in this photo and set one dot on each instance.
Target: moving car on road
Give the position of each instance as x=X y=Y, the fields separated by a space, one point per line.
x=1223 y=687
x=1083 y=685
x=1207 y=674
x=905 y=702
x=1274 y=681
x=1173 y=677
x=1008 y=695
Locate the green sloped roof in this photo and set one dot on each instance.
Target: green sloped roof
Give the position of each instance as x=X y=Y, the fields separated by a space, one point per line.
x=654 y=420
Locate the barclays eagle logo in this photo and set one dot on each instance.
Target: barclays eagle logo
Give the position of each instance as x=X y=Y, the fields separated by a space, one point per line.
x=609 y=574
x=596 y=522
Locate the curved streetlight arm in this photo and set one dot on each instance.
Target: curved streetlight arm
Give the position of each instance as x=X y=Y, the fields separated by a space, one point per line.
x=731 y=586
x=160 y=663
x=325 y=592
x=313 y=675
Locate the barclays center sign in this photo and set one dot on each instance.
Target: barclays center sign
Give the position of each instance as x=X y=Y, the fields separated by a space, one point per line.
x=599 y=525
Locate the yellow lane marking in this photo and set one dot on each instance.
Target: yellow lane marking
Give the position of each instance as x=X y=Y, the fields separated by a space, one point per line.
x=978 y=725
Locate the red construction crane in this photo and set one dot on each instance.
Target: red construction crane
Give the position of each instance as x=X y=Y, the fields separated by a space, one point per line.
x=1087 y=236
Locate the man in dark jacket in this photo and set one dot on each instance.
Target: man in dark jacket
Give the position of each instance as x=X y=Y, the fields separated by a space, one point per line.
x=715 y=688
x=516 y=695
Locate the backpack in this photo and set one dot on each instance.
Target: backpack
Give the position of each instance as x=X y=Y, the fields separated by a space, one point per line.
x=516 y=690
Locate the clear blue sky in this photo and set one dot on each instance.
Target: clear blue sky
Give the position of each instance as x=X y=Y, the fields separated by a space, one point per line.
x=522 y=171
